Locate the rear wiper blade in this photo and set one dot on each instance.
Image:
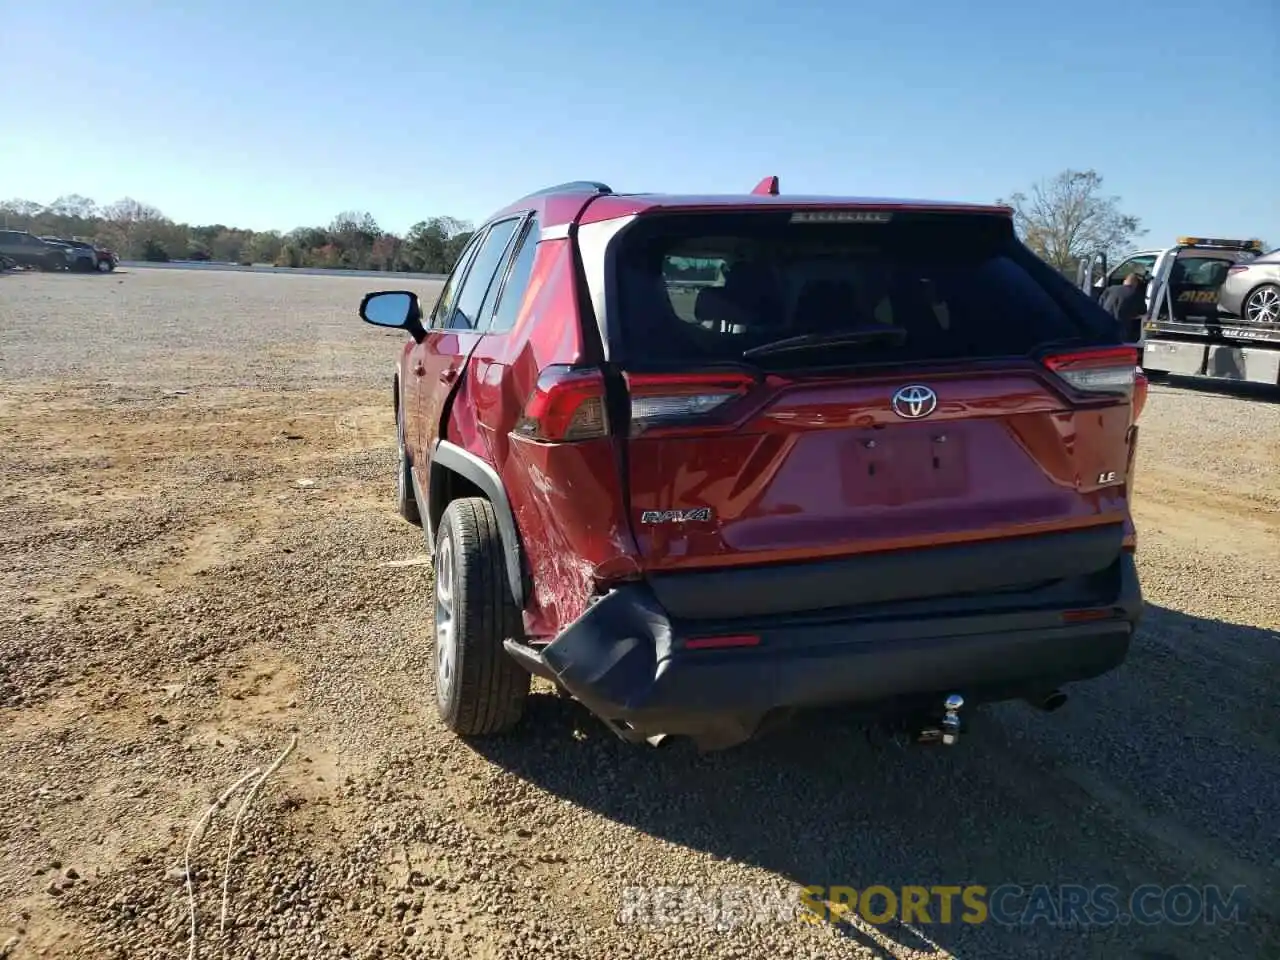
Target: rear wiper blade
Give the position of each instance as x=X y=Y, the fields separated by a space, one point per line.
x=890 y=336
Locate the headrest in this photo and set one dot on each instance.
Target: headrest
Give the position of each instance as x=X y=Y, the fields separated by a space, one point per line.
x=713 y=305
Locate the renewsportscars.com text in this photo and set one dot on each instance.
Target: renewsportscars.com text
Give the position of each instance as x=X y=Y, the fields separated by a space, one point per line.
x=1058 y=905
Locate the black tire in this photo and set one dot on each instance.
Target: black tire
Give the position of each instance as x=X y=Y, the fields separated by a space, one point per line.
x=482 y=690
x=406 y=502
x=105 y=266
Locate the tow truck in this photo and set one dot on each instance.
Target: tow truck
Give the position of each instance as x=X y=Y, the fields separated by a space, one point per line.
x=1182 y=332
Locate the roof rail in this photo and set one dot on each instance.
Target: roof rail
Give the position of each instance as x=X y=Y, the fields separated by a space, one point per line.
x=573 y=186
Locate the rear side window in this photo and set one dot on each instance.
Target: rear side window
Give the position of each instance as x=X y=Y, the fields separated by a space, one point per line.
x=705 y=287
x=1199 y=271
x=511 y=294
x=466 y=314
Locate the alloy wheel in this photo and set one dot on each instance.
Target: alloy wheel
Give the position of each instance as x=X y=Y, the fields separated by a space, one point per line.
x=1263 y=305
x=446 y=637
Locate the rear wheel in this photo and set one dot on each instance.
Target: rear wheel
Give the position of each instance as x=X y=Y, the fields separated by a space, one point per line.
x=479 y=689
x=105 y=266
x=1263 y=304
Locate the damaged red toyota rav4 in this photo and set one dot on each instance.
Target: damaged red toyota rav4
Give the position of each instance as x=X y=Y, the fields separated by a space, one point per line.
x=703 y=461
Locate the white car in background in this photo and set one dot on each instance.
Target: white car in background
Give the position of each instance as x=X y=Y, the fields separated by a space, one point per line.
x=1252 y=293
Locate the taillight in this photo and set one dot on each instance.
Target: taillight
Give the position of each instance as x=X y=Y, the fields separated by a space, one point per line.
x=668 y=401
x=566 y=405
x=1106 y=370
x=1238 y=268
x=1141 y=387
x=569 y=404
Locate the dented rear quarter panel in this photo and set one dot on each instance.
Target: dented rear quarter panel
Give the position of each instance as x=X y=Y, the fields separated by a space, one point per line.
x=566 y=499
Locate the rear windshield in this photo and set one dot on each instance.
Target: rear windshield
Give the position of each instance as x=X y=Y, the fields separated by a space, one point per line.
x=706 y=287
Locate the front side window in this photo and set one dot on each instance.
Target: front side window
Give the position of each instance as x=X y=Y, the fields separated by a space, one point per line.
x=1141 y=265
x=449 y=295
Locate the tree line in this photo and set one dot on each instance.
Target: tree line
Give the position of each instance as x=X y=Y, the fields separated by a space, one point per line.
x=137 y=231
x=1063 y=219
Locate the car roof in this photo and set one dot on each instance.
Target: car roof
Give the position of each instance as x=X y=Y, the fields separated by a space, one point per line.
x=559 y=206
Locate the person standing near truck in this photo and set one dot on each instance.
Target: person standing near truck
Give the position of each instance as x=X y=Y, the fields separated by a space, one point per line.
x=1127 y=302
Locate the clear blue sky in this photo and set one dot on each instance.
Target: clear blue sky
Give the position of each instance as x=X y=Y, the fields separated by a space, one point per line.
x=282 y=113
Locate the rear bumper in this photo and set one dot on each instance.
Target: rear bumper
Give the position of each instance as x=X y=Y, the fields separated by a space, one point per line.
x=626 y=659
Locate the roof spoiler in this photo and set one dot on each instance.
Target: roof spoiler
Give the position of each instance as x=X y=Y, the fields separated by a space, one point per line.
x=768 y=187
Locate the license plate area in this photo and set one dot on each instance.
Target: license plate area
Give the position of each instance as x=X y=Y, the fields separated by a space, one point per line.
x=901 y=465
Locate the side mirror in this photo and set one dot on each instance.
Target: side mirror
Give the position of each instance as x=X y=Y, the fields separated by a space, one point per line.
x=393 y=308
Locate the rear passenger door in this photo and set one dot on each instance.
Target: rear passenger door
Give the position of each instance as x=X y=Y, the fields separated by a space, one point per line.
x=455 y=326
x=486 y=371
x=419 y=386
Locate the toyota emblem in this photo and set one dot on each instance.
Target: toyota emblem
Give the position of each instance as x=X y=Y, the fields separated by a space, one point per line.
x=914 y=402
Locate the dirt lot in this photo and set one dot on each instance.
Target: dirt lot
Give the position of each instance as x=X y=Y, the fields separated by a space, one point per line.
x=175 y=607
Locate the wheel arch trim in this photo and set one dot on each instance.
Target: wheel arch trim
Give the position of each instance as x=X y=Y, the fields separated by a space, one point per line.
x=446 y=456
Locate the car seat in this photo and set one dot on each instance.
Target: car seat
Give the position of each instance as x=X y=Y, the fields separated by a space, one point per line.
x=749 y=300
x=825 y=305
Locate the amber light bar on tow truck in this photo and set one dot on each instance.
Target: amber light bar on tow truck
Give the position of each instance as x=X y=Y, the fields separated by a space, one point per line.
x=1254 y=246
x=569 y=404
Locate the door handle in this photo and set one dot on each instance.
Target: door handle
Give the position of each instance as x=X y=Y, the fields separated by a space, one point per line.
x=448 y=375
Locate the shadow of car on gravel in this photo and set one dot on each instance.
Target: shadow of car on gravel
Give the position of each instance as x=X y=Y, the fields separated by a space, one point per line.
x=1123 y=786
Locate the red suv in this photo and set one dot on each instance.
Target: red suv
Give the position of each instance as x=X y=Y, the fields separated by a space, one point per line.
x=704 y=460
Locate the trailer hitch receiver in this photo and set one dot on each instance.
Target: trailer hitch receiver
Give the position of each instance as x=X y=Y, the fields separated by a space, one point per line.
x=947 y=732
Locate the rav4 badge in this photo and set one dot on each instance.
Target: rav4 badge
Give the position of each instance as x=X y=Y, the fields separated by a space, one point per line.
x=676 y=516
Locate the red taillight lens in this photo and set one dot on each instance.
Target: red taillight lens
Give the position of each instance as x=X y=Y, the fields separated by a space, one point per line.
x=1141 y=387
x=670 y=401
x=566 y=405
x=1238 y=268
x=1105 y=370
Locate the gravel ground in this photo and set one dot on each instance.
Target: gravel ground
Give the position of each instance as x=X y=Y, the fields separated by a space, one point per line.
x=175 y=609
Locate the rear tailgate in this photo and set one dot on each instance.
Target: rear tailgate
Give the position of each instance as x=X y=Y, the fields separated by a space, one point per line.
x=967 y=424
